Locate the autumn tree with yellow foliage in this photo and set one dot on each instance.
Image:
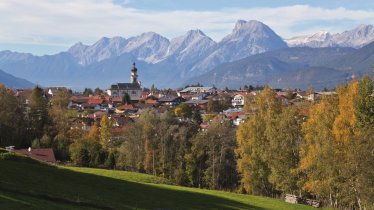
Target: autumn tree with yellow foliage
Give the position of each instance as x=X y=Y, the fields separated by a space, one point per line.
x=337 y=153
x=317 y=160
x=327 y=155
x=268 y=147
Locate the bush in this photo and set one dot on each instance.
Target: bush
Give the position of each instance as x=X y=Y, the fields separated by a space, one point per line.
x=61 y=147
x=86 y=152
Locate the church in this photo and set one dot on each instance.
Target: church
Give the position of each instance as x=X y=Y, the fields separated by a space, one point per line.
x=133 y=88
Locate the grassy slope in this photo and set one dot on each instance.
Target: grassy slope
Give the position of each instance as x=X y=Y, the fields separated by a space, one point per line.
x=112 y=189
x=16 y=201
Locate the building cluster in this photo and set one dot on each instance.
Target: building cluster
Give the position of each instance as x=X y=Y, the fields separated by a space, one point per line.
x=90 y=109
x=123 y=103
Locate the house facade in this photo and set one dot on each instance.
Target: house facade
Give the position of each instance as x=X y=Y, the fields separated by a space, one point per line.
x=238 y=100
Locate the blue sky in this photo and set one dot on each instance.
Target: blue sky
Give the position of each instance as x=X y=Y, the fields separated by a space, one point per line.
x=202 y=5
x=50 y=26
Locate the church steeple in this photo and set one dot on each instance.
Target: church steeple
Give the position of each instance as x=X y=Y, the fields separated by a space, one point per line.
x=134 y=74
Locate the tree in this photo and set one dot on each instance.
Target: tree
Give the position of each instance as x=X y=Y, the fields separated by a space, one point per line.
x=250 y=161
x=284 y=135
x=59 y=122
x=365 y=160
x=38 y=112
x=87 y=91
x=179 y=151
x=225 y=101
x=219 y=103
x=344 y=124
x=61 y=99
x=183 y=110
x=111 y=160
x=360 y=149
x=60 y=147
x=338 y=148
x=126 y=99
x=85 y=152
x=317 y=159
x=196 y=117
x=365 y=103
x=254 y=139
x=94 y=132
x=105 y=131
x=98 y=91
x=131 y=152
x=149 y=122
x=212 y=161
x=12 y=120
x=213 y=105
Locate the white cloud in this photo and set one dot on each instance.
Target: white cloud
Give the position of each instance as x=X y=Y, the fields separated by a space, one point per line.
x=63 y=22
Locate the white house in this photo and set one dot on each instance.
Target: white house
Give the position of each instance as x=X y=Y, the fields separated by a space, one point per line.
x=238 y=100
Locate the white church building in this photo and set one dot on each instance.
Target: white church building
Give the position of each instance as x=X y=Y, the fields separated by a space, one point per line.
x=133 y=88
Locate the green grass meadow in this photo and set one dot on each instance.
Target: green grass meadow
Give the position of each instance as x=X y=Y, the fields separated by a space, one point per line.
x=28 y=184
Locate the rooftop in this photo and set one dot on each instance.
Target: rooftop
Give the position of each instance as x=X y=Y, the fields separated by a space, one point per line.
x=42 y=154
x=125 y=86
x=196 y=89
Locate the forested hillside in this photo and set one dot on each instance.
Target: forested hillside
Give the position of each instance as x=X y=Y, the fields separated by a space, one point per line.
x=320 y=150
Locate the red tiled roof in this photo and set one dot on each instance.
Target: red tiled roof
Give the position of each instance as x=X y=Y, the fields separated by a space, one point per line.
x=42 y=154
x=79 y=99
x=117 y=100
x=150 y=101
x=235 y=115
x=126 y=106
x=95 y=101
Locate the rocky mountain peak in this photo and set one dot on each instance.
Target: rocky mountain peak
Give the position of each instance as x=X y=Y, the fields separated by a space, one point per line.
x=321 y=36
x=150 y=47
x=364 y=30
x=77 y=48
x=252 y=29
x=196 y=32
x=249 y=26
x=239 y=24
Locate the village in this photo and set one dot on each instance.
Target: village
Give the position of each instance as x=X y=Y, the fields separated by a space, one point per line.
x=123 y=103
x=171 y=132
x=187 y=105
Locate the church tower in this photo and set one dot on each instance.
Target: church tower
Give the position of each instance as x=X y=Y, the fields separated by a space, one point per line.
x=134 y=74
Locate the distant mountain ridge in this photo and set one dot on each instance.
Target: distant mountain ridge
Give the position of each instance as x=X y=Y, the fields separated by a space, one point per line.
x=356 y=38
x=298 y=67
x=11 y=81
x=163 y=62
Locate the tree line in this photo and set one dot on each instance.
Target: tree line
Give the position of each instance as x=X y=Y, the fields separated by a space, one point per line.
x=322 y=150
x=327 y=154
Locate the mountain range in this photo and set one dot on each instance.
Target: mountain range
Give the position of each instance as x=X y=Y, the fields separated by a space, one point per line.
x=194 y=56
x=356 y=38
x=14 y=82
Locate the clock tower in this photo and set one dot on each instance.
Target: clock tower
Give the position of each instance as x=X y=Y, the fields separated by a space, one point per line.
x=134 y=74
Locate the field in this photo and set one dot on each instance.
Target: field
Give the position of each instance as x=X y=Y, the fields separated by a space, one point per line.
x=27 y=184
